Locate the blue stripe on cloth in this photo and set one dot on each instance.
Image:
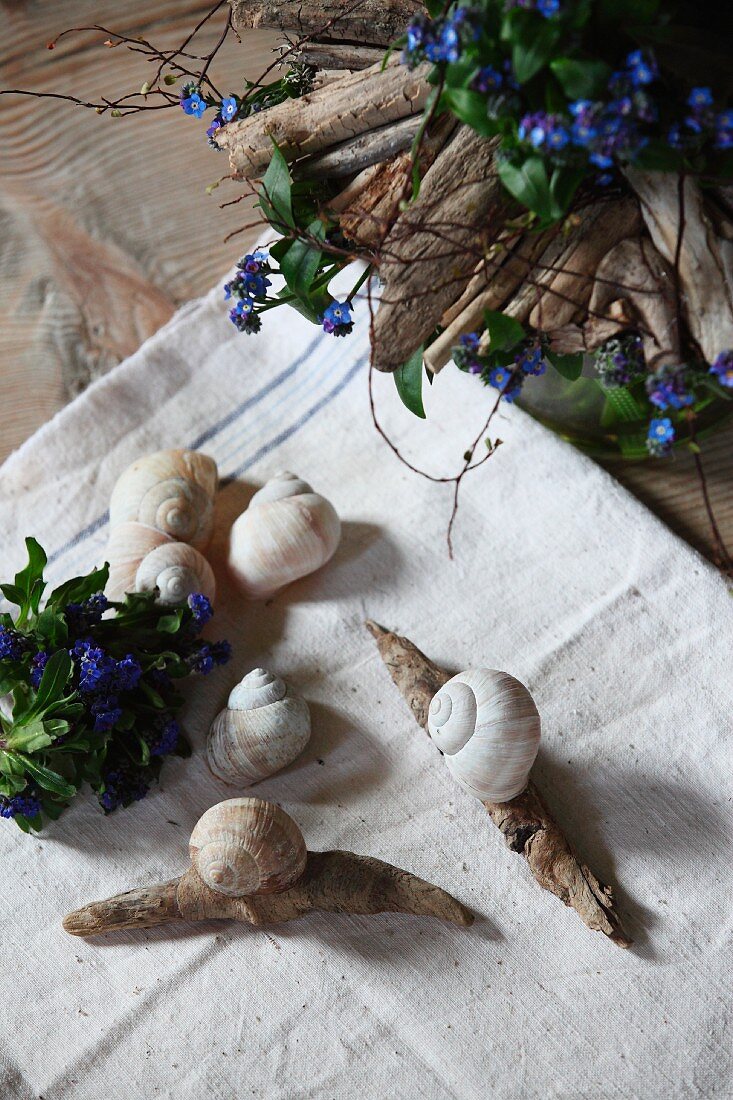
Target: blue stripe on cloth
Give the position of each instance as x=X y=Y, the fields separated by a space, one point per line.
x=250 y=402
x=101 y=520
x=288 y=432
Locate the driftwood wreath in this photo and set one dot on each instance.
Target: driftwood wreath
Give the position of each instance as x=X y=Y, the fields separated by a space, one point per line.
x=528 y=181
x=618 y=263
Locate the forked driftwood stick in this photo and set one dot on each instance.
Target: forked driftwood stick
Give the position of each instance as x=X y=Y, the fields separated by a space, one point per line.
x=333 y=882
x=525 y=822
x=261 y=875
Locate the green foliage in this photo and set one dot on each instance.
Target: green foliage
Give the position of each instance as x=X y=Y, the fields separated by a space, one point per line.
x=569 y=366
x=51 y=742
x=306 y=263
x=408 y=380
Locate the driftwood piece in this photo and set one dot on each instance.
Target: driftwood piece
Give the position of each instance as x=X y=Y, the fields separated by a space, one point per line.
x=547 y=281
x=338 y=55
x=362 y=151
x=499 y=276
x=525 y=822
x=372 y=22
x=351 y=105
x=705 y=258
x=368 y=206
x=333 y=882
x=430 y=253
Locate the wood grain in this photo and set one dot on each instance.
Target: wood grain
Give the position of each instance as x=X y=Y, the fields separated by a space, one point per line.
x=105 y=227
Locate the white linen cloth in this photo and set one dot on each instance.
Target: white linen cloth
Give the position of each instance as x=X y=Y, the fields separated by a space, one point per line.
x=619 y=629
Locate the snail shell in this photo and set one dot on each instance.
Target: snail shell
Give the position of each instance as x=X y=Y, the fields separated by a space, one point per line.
x=263 y=728
x=172 y=491
x=176 y=570
x=247 y=846
x=488 y=728
x=141 y=559
x=128 y=545
x=287 y=532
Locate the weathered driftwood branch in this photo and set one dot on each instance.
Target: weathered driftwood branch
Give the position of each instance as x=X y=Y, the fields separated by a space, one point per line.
x=546 y=281
x=368 y=207
x=705 y=257
x=633 y=288
x=333 y=882
x=525 y=822
x=338 y=55
x=360 y=152
x=250 y=864
x=351 y=105
x=430 y=253
x=373 y=22
x=499 y=276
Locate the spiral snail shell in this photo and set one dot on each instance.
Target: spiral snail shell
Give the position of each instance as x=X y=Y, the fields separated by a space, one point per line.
x=287 y=532
x=263 y=728
x=172 y=491
x=142 y=559
x=488 y=728
x=247 y=846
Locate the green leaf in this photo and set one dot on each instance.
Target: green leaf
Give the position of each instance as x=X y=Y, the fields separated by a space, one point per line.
x=13 y=594
x=569 y=366
x=46 y=778
x=299 y=265
x=504 y=332
x=55 y=675
x=51 y=625
x=564 y=182
x=408 y=380
x=581 y=79
x=29 y=580
x=170 y=624
x=12 y=784
x=533 y=49
x=529 y=185
x=275 y=195
x=470 y=107
x=79 y=589
x=28 y=737
x=144 y=750
x=9 y=764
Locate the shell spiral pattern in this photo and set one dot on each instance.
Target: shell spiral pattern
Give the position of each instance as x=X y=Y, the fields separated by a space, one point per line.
x=177 y=570
x=247 y=846
x=263 y=728
x=172 y=491
x=487 y=726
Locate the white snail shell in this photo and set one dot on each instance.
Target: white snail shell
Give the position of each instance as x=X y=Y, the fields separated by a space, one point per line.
x=141 y=559
x=488 y=728
x=177 y=570
x=287 y=532
x=172 y=491
x=128 y=545
x=263 y=728
x=247 y=846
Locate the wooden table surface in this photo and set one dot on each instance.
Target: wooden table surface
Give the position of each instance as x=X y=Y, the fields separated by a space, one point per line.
x=106 y=227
